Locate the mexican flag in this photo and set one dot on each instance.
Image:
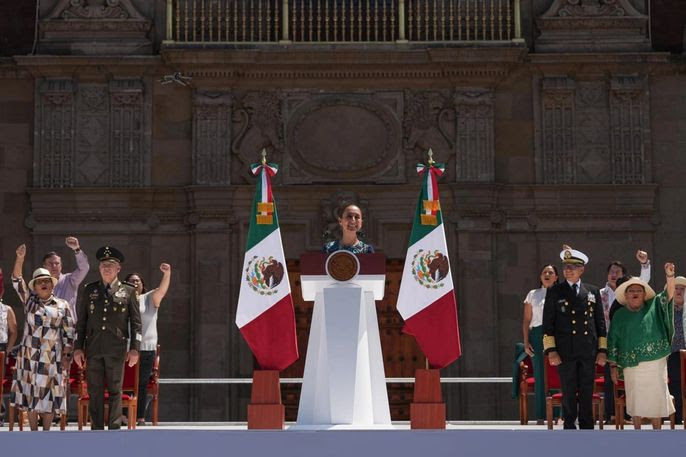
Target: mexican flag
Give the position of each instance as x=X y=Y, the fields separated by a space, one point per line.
x=265 y=312
x=426 y=300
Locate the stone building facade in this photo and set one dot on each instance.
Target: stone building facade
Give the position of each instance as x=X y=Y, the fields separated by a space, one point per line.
x=133 y=122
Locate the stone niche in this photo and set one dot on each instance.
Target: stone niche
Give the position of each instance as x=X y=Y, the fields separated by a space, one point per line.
x=94 y=27
x=592 y=26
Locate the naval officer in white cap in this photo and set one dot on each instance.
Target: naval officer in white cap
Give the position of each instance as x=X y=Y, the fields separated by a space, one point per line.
x=574 y=337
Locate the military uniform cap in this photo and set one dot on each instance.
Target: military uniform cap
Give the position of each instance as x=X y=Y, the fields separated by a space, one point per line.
x=109 y=253
x=572 y=256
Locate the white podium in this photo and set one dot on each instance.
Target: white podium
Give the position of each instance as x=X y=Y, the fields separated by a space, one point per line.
x=344 y=385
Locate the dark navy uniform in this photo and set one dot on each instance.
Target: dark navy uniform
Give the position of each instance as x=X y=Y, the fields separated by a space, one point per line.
x=574 y=327
x=105 y=315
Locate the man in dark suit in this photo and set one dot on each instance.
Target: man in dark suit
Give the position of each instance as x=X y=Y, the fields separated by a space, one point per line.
x=107 y=308
x=574 y=337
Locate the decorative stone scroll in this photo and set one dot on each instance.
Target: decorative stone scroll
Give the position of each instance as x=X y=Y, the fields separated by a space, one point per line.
x=212 y=138
x=592 y=26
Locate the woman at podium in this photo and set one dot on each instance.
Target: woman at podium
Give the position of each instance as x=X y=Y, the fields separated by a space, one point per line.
x=350 y=220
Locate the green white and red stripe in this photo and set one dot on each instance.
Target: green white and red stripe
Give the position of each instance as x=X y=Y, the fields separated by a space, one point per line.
x=426 y=300
x=265 y=312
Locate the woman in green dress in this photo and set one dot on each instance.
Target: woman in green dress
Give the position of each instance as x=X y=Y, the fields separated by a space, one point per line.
x=639 y=343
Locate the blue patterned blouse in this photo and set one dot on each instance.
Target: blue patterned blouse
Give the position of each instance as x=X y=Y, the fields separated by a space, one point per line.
x=357 y=248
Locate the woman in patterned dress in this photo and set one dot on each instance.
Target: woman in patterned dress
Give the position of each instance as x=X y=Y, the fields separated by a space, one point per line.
x=350 y=220
x=39 y=385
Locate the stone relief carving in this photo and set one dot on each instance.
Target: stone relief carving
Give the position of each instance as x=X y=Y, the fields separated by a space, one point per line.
x=591 y=8
x=94 y=9
x=100 y=27
x=591 y=124
x=258 y=124
x=127 y=154
x=422 y=129
x=473 y=144
x=344 y=137
x=592 y=26
x=594 y=131
x=54 y=133
x=557 y=119
x=212 y=138
x=629 y=130
x=329 y=213
x=92 y=134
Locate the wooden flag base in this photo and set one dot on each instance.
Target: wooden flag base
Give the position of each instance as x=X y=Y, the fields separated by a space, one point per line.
x=427 y=410
x=265 y=410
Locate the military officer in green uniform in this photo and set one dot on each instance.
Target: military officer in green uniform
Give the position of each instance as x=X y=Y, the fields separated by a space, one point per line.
x=107 y=310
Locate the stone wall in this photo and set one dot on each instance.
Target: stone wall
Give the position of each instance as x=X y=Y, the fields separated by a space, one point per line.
x=541 y=148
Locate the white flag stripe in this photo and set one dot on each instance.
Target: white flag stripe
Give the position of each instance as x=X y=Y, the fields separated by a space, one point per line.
x=413 y=297
x=250 y=303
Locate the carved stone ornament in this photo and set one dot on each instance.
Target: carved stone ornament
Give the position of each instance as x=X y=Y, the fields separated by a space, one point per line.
x=343 y=138
x=95 y=9
x=591 y=8
x=102 y=27
x=592 y=26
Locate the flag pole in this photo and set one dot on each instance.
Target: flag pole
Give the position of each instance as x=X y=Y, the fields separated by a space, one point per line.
x=427 y=410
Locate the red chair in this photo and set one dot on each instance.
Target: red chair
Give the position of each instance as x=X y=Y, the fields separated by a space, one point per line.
x=527 y=385
x=129 y=397
x=154 y=386
x=553 y=393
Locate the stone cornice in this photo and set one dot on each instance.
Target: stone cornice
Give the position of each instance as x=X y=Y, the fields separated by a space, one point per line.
x=285 y=64
x=595 y=63
x=72 y=66
x=470 y=207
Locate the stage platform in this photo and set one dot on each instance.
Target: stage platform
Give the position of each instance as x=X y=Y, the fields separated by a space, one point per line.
x=469 y=439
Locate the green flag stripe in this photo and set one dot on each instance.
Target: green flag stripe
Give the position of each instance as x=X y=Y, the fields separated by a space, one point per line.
x=419 y=231
x=258 y=232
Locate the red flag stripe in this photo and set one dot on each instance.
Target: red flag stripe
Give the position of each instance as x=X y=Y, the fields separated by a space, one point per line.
x=271 y=336
x=436 y=330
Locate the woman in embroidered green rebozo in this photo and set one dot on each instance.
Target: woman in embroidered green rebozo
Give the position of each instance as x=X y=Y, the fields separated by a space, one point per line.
x=639 y=343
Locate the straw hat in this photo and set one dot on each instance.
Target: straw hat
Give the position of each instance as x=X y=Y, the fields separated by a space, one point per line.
x=41 y=273
x=620 y=293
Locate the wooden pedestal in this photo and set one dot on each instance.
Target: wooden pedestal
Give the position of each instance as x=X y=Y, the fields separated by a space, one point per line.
x=427 y=410
x=265 y=410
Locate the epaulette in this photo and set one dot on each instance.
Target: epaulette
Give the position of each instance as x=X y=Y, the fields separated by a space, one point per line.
x=94 y=283
x=128 y=284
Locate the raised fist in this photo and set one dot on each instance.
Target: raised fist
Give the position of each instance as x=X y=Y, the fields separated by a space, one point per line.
x=641 y=256
x=21 y=251
x=165 y=267
x=72 y=243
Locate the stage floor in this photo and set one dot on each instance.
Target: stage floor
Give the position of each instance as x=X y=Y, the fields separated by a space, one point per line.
x=469 y=439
